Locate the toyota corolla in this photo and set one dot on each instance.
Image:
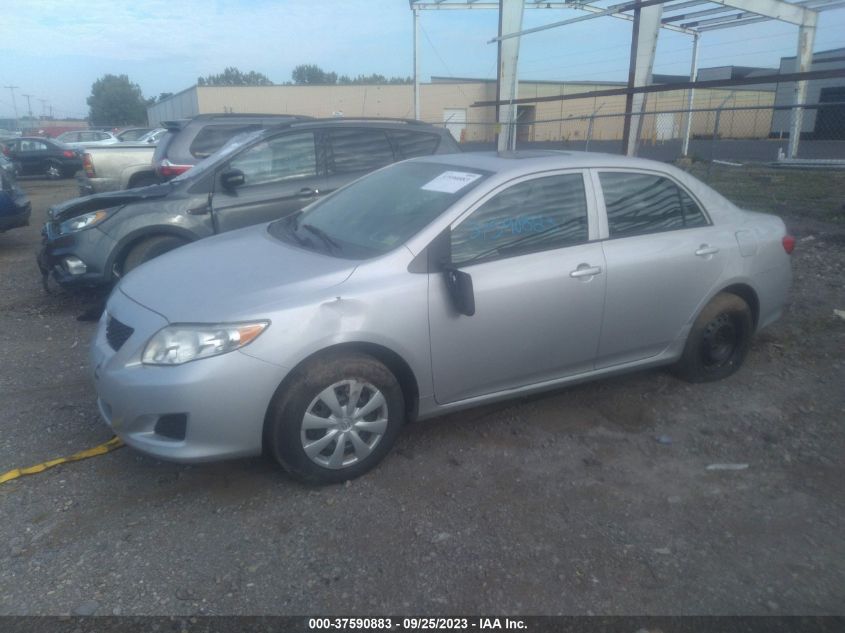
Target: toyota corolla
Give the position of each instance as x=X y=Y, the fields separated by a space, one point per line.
x=431 y=285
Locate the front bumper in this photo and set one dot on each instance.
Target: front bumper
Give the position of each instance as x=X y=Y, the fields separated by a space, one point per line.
x=92 y=247
x=223 y=398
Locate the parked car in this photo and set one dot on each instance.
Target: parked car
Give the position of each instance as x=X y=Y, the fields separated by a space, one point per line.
x=115 y=167
x=153 y=136
x=256 y=178
x=188 y=141
x=87 y=138
x=429 y=286
x=15 y=208
x=35 y=155
x=132 y=134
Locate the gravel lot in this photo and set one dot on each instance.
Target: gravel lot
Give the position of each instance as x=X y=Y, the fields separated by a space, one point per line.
x=594 y=499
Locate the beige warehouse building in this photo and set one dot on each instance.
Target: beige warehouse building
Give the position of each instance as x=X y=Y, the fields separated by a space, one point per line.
x=448 y=102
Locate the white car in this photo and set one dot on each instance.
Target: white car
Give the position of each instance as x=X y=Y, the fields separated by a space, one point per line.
x=86 y=138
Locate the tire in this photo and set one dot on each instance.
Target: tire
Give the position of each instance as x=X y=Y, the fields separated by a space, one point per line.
x=150 y=248
x=719 y=340
x=53 y=170
x=314 y=455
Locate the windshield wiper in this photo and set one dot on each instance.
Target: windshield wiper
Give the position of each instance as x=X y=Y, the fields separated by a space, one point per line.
x=323 y=236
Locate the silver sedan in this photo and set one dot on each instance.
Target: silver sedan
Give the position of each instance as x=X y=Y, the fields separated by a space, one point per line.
x=431 y=285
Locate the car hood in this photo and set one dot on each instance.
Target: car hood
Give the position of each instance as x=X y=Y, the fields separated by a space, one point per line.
x=240 y=275
x=78 y=206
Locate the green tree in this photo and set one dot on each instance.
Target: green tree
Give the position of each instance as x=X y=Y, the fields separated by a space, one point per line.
x=231 y=76
x=311 y=74
x=116 y=101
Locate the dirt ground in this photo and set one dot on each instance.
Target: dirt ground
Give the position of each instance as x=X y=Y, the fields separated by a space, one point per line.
x=591 y=500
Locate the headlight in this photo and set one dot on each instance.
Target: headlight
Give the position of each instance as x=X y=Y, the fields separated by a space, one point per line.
x=177 y=344
x=84 y=221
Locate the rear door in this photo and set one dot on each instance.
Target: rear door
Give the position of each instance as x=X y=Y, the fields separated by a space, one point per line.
x=281 y=175
x=663 y=258
x=355 y=152
x=31 y=155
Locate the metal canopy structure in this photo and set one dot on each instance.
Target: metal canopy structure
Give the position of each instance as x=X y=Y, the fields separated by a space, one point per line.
x=690 y=17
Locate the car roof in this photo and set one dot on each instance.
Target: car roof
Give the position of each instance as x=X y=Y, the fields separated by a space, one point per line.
x=374 y=122
x=531 y=161
x=508 y=165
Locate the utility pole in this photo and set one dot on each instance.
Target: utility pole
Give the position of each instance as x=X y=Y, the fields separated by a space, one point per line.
x=43 y=107
x=14 y=103
x=28 y=104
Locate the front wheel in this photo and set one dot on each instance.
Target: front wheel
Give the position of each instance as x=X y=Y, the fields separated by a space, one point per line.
x=719 y=340
x=337 y=419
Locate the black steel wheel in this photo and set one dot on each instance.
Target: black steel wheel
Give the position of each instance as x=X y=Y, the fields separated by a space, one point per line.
x=719 y=340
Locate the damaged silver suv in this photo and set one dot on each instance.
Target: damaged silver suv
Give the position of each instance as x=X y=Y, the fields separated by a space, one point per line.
x=257 y=177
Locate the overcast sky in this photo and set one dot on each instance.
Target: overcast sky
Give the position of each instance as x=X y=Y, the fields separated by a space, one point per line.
x=55 y=49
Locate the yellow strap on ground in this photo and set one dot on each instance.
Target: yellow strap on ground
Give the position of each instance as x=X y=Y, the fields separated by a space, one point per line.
x=102 y=449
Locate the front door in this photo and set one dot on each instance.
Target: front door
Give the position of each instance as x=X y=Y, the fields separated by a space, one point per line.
x=281 y=176
x=538 y=285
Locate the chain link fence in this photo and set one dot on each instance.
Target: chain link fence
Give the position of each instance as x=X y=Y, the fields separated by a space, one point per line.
x=721 y=126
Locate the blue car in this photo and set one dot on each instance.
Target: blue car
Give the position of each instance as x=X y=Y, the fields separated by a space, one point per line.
x=15 y=208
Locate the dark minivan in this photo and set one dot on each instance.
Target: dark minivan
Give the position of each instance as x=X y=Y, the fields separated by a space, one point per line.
x=257 y=177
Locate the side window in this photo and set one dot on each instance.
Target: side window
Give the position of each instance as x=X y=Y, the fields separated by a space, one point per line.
x=641 y=203
x=212 y=137
x=540 y=214
x=359 y=150
x=693 y=215
x=283 y=158
x=412 y=144
x=33 y=146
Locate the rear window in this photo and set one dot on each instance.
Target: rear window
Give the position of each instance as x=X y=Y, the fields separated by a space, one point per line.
x=413 y=144
x=359 y=150
x=212 y=137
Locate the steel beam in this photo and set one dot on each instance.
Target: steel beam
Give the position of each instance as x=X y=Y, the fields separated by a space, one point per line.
x=646 y=30
x=804 y=60
x=774 y=9
x=730 y=25
x=510 y=21
x=416 y=64
x=691 y=94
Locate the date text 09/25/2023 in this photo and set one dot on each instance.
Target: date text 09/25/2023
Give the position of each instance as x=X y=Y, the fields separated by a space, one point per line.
x=415 y=624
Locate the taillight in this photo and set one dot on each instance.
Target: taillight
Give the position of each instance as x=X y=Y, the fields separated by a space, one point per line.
x=88 y=165
x=69 y=153
x=788 y=244
x=166 y=169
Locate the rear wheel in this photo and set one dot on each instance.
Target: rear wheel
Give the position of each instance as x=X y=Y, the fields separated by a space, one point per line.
x=148 y=249
x=719 y=340
x=337 y=419
x=53 y=171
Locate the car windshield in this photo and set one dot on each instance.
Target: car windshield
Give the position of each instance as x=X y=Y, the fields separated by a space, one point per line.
x=379 y=212
x=234 y=144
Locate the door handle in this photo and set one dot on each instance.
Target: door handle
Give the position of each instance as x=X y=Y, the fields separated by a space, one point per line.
x=705 y=250
x=307 y=192
x=585 y=270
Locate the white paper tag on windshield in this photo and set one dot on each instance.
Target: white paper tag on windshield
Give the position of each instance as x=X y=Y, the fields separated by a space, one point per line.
x=451 y=181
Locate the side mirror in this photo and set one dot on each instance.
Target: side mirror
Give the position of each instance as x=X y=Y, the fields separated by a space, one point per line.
x=459 y=285
x=232 y=179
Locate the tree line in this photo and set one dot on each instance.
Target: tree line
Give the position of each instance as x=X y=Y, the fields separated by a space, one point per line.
x=115 y=100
